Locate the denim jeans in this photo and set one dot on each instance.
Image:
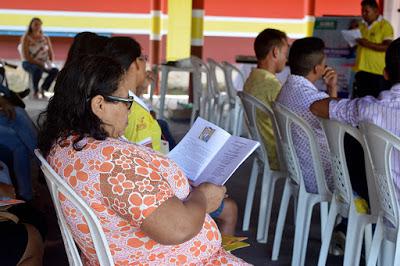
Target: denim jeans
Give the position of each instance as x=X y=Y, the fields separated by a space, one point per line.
x=20 y=137
x=36 y=72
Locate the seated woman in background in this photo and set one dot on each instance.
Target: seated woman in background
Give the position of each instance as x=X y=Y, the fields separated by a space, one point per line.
x=142 y=199
x=142 y=124
x=18 y=139
x=37 y=55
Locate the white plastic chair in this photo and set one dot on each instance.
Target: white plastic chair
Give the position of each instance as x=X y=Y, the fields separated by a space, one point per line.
x=380 y=146
x=57 y=185
x=235 y=121
x=342 y=203
x=252 y=106
x=195 y=66
x=220 y=97
x=306 y=201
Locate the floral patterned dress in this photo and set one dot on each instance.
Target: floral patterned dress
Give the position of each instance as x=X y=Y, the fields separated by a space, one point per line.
x=124 y=183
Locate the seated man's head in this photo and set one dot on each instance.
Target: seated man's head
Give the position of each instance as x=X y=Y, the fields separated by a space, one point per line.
x=392 y=61
x=369 y=11
x=271 y=47
x=90 y=99
x=307 y=58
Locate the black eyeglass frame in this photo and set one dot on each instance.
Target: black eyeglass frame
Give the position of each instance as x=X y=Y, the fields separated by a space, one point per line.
x=128 y=101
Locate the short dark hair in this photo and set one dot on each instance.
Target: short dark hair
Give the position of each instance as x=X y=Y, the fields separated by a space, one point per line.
x=69 y=110
x=266 y=40
x=86 y=43
x=305 y=54
x=370 y=3
x=124 y=50
x=392 y=60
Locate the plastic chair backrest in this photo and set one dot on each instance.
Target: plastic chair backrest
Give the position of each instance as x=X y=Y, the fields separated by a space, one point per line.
x=286 y=119
x=228 y=69
x=252 y=106
x=57 y=185
x=380 y=146
x=213 y=67
x=335 y=132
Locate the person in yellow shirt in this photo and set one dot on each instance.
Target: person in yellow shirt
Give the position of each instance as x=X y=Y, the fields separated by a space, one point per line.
x=271 y=49
x=376 y=35
x=141 y=124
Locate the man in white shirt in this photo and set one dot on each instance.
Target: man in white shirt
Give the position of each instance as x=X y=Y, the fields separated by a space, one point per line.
x=383 y=111
x=307 y=63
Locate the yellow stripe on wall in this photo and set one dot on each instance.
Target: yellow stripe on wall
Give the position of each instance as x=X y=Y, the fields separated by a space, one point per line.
x=78 y=22
x=179 y=21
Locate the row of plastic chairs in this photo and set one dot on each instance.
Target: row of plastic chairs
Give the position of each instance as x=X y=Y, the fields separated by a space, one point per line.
x=212 y=102
x=377 y=144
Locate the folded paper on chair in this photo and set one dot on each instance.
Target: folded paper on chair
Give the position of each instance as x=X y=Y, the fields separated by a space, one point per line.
x=207 y=153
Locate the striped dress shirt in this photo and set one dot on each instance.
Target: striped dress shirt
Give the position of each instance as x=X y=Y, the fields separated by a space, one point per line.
x=383 y=111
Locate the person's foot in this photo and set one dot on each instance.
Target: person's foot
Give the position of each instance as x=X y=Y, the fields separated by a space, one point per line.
x=37 y=95
x=24 y=93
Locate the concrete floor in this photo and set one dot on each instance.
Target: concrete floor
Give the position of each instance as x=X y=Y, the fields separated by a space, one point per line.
x=257 y=254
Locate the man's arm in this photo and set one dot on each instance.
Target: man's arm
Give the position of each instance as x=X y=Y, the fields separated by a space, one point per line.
x=380 y=47
x=321 y=108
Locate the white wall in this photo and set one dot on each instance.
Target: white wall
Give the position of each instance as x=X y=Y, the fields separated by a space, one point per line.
x=391 y=14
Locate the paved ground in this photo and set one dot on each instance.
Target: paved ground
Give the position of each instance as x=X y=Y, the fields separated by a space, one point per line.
x=257 y=254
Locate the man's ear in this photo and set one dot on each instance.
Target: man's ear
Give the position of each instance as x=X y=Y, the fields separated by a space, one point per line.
x=386 y=74
x=275 y=51
x=97 y=105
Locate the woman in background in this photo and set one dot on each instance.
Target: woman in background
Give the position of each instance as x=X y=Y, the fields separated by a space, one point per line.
x=37 y=55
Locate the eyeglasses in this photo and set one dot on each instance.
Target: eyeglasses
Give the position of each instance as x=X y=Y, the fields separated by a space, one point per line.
x=143 y=57
x=128 y=101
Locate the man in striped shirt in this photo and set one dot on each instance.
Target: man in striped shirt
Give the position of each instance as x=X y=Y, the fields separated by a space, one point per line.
x=383 y=111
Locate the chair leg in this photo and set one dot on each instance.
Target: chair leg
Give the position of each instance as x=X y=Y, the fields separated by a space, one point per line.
x=376 y=244
x=250 y=195
x=367 y=240
x=327 y=235
x=267 y=196
x=354 y=238
x=287 y=193
x=324 y=216
x=303 y=218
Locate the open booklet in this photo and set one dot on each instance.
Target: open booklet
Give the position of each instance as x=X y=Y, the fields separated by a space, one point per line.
x=207 y=153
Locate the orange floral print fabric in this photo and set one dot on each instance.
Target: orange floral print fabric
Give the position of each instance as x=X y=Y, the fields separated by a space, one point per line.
x=124 y=183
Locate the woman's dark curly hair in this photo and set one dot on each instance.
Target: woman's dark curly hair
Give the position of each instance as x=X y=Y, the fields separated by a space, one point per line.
x=69 y=110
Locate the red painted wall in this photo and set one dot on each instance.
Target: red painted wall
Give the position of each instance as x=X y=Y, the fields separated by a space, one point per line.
x=123 y=6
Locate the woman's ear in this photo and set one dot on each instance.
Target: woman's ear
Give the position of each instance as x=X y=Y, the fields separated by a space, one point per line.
x=97 y=105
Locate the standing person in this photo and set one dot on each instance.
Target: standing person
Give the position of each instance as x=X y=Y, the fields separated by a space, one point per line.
x=307 y=63
x=271 y=48
x=376 y=35
x=37 y=54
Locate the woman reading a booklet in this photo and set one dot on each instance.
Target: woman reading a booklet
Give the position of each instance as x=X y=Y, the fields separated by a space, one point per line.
x=142 y=198
x=142 y=124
